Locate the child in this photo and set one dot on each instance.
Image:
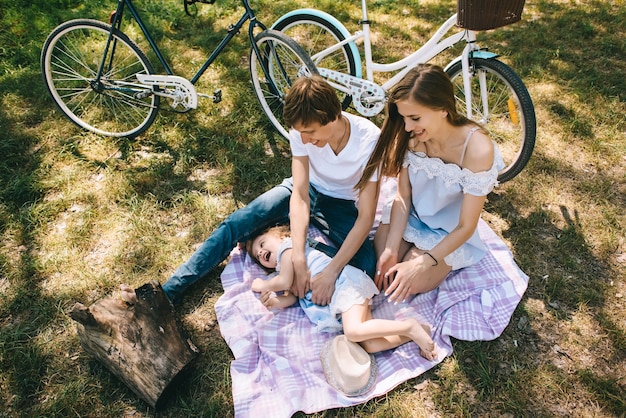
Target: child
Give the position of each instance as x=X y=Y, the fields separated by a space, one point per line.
x=351 y=299
x=446 y=165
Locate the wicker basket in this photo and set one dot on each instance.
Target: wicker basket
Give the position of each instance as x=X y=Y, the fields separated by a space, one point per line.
x=488 y=14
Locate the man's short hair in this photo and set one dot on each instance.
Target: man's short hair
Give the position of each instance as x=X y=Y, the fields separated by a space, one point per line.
x=310 y=100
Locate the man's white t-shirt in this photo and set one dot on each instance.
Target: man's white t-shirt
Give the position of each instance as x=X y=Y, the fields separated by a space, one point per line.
x=336 y=175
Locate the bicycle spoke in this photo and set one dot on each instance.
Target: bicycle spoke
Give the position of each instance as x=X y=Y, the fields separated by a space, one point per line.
x=68 y=51
x=508 y=114
x=109 y=105
x=280 y=62
x=315 y=34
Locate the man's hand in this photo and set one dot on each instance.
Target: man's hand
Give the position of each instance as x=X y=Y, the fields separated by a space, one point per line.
x=301 y=284
x=323 y=287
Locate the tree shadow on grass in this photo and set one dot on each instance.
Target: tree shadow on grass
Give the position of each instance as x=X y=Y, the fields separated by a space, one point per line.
x=565 y=274
x=24 y=309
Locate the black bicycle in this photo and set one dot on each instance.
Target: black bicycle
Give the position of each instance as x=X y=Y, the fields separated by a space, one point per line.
x=103 y=82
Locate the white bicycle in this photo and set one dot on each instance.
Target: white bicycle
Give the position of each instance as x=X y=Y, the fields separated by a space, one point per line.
x=488 y=90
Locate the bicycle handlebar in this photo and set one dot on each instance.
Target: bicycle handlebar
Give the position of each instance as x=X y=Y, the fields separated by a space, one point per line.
x=188 y=3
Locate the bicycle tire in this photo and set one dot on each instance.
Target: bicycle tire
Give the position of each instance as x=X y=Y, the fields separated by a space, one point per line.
x=315 y=33
x=285 y=61
x=511 y=121
x=117 y=106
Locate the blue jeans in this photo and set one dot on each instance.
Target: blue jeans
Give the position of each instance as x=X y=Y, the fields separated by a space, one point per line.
x=333 y=217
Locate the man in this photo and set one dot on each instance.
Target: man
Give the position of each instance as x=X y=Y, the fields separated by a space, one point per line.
x=329 y=151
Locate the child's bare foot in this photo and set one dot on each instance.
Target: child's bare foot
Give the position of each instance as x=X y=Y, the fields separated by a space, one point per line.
x=128 y=294
x=420 y=334
x=258 y=285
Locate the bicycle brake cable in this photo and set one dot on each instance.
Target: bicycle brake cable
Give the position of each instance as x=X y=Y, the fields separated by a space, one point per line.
x=188 y=3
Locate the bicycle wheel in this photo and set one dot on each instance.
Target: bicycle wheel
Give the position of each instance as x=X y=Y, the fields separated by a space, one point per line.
x=116 y=104
x=279 y=62
x=314 y=33
x=509 y=115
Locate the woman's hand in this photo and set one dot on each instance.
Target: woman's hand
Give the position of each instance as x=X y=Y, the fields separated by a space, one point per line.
x=408 y=277
x=386 y=261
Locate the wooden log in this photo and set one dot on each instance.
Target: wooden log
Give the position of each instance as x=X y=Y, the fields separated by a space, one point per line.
x=136 y=336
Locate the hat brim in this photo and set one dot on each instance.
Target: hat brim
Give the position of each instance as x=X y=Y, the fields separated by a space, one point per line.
x=330 y=377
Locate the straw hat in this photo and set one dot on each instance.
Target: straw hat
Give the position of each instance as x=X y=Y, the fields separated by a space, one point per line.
x=347 y=366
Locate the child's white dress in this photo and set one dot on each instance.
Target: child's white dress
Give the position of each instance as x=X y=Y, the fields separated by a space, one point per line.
x=353 y=286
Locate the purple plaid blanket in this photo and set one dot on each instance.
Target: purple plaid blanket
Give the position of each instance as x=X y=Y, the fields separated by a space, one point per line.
x=276 y=371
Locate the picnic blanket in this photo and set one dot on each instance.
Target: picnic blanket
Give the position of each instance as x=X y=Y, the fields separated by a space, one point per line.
x=277 y=372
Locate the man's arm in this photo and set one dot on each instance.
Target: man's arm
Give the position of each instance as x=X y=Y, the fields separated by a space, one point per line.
x=323 y=284
x=299 y=212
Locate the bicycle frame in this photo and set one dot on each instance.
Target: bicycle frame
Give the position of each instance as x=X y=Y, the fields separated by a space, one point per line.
x=233 y=30
x=434 y=46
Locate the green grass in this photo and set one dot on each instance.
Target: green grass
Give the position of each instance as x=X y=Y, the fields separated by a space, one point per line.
x=80 y=214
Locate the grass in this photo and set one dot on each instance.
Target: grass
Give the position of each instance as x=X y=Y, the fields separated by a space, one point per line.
x=80 y=214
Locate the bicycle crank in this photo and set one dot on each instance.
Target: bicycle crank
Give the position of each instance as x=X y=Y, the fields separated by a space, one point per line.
x=368 y=98
x=178 y=89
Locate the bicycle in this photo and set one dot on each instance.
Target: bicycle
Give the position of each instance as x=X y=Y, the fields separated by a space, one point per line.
x=103 y=82
x=488 y=90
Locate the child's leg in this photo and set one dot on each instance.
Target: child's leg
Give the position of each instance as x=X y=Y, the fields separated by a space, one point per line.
x=383 y=334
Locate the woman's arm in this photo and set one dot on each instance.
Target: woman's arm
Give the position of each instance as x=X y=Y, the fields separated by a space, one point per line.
x=399 y=212
x=471 y=208
x=415 y=275
x=323 y=284
x=419 y=273
x=299 y=212
x=400 y=209
x=478 y=158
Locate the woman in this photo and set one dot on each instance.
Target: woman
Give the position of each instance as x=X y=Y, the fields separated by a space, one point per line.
x=446 y=165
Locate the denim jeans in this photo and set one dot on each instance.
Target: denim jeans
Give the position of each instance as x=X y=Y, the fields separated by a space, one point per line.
x=334 y=217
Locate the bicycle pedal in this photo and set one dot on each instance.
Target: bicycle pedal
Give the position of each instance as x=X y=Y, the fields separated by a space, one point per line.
x=217 y=96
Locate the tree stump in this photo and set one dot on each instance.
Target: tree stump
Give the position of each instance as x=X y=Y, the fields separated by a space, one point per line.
x=138 y=340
